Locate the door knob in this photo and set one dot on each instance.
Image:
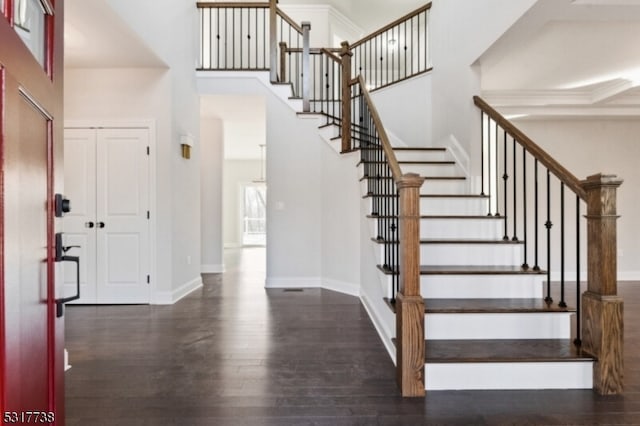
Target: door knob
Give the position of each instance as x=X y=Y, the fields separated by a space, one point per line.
x=89 y=224
x=101 y=225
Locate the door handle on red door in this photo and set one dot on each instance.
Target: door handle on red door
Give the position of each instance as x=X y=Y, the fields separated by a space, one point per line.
x=62 y=257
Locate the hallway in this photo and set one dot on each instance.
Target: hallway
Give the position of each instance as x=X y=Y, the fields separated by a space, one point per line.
x=233 y=353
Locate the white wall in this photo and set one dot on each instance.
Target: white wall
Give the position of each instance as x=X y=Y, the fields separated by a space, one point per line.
x=236 y=174
x=327 y=24
x=170 y=29
x=122 y=95
x=413 y=123
x=212 y=152
x=588 y=147
x=461 y=30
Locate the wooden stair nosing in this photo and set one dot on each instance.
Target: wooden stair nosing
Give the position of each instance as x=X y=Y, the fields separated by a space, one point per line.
x=471 y=270
x=426 y=178
x=446 y=217
x=490 y=306
x=454 y=241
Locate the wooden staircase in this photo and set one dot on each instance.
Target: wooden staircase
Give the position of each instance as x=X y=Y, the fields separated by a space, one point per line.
x=470 y=313
x=486 y=322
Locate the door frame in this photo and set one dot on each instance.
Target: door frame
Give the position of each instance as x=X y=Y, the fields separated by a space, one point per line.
x=150 y=125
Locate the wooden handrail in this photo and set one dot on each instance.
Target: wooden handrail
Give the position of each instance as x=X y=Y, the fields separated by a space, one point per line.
x=290 y=21
x=386 y=144
x=331 y=55
x=391 y=25
x=230 y=5
x=558 y=170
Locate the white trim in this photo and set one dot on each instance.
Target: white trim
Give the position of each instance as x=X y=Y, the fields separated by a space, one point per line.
x=459 y=154
x=628 y=276
x=212 y=269
x=351 y=289
x=293 y=282
x=505 y=375
x=171 y=297
x=343 y=287
x=384 y=334
x=346 y=22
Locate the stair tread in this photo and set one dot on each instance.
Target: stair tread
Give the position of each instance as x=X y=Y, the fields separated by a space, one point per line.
x=424 y=177
x=403 y=148
x=504 y=350
x=443 y=217
x=536 y=305
x=465 y=196
x=418 y=162
x=477 y=270
x=456 y=241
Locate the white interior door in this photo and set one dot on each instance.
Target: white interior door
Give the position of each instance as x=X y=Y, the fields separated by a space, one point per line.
x=107 y=181
x=79 y=224
x=122 y=205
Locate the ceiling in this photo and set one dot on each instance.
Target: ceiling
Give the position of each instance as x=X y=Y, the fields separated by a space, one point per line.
x=245 y=123
x=568 y=58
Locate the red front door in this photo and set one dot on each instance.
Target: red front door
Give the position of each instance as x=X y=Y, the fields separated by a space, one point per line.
x=31 y=337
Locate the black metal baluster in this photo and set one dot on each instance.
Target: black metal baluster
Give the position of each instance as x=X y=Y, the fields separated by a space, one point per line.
x=562 y=302
x=482 y=142
x=525 y=265
x=548 y=225
x=515 y=191
x=218 y=36
x=497 y=172
x=233 y=38
x=536 y=267
x=578 y=340
x=405 y=49
x=264 y=38
x=505 y=178
x=489 y=191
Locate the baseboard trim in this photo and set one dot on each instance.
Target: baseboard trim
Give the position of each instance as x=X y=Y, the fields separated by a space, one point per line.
x=171 y=297
x=379 y=326
x=293 y=282
x=350 y=289
x=212 y=269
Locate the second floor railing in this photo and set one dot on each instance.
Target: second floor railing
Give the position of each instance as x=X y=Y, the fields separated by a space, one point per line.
x=259 y=36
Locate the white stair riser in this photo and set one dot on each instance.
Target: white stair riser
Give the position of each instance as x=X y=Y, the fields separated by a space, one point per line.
x=422 y=155
x=481 y=286
x=498 y=326
x=461 y=228
x=448 y=206
x=431 y=169
x=517 y=375
x=446 y=187
x=470 y=254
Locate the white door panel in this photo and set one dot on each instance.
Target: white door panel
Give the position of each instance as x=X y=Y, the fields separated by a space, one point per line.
x=80 y=188
x=107 y=178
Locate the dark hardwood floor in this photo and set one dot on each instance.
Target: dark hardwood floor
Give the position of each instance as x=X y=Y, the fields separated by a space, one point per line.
x=235 y=354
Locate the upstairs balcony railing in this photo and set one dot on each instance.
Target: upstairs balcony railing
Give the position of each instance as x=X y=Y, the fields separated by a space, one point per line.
x=246 y=36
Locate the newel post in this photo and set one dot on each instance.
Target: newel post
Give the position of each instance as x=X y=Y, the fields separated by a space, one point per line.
x=409 y=303
x=346 y=54
x=602 y=329
x=283 y=61
x=273 y=40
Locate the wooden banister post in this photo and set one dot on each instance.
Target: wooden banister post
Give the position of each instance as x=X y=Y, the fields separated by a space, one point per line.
x=346 y=54
x=409 y=303
x=306 y=68
x=602 y=325
x=273 y=40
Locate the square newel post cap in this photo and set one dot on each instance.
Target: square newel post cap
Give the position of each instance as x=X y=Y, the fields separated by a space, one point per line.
x=306 y=25
x=346 y=49
x=410 y=180
x=601 y=180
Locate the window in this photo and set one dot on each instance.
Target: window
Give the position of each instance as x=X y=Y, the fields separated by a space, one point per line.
x=29 y=23
x=254 y=229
